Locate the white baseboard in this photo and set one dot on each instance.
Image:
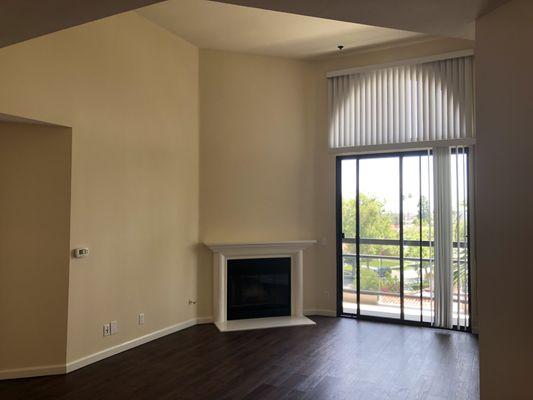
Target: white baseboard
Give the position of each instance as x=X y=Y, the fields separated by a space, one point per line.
x=321 y=312
x=32 y=371
x=95 y=357
x=130 y=344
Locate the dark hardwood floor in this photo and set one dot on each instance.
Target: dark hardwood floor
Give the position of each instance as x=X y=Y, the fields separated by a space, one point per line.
x=336 y=359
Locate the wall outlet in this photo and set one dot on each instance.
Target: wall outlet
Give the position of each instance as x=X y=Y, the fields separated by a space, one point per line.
x=80 y=252
x=140 y=320
x=106 y=329
x=114 y=327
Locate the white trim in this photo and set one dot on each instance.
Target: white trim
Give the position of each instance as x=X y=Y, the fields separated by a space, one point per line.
x=130 y=344
x=100 y=355
x=320 y=312
x=294 y=245
x=30 y=372
x=393 y=147
x=410 y=61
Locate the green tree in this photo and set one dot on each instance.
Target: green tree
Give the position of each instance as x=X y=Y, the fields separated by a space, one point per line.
x=375 y=222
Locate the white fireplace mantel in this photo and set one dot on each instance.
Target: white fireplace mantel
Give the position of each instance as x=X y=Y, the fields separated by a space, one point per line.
x=225 y=251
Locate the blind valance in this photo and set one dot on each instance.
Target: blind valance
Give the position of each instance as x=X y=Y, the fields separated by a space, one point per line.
x=417 y=103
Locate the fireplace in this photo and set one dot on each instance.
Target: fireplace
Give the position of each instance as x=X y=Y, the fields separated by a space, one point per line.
x=259 y=288
x=258 y=285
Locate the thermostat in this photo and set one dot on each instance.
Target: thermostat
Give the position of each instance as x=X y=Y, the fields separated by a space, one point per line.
x=81 y=252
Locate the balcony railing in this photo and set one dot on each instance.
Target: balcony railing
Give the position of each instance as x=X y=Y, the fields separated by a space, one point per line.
x=417 y=293
x=394 y=242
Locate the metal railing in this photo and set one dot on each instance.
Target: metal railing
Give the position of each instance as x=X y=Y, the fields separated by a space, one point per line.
x=394 y=242
x=461 y=262
x=463 y=298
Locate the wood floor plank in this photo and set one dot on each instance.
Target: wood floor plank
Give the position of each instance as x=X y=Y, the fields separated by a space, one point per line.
x=333 y=360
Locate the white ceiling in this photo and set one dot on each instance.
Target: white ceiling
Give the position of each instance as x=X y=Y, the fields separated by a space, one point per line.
x=23 y=20
x=455 y=18
x=221 y=26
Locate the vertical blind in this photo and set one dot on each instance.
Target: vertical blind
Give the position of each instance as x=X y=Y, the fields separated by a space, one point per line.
x=443 y=245
x=450 y=243
x=416 y=103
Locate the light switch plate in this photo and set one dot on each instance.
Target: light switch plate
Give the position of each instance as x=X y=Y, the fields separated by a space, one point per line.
x=114 y=327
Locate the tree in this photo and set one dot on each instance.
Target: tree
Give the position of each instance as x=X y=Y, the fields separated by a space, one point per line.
x=375 y=222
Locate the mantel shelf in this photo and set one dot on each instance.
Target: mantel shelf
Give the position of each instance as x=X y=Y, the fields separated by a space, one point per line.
x=294 y=245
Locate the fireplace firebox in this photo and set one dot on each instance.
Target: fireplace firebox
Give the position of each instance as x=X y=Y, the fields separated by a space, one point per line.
x=259 y=288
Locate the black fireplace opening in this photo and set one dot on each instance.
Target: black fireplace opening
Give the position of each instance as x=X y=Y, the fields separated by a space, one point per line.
x=259 y=288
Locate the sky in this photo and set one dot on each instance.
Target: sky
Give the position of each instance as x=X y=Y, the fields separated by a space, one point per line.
x=380 y=178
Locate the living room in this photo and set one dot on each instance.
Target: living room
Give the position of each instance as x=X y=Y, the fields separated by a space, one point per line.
x=151 y=157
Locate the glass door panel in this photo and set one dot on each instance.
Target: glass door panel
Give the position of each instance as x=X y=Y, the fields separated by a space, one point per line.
x=349 y=227
x=386 y=219
x=417 y=235
x=379 y=232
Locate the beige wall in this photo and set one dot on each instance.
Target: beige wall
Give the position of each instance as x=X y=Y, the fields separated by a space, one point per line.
x=504 y=84
x=34 y=244
x=257 y=146
x=129 y=90
x=266 y=173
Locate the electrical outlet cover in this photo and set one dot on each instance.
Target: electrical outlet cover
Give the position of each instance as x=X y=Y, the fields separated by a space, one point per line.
x=114 y=327
x=141 y=319
x=107 y=329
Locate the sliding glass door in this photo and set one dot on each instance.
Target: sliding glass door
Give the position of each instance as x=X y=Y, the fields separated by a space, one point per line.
x=385 y=209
